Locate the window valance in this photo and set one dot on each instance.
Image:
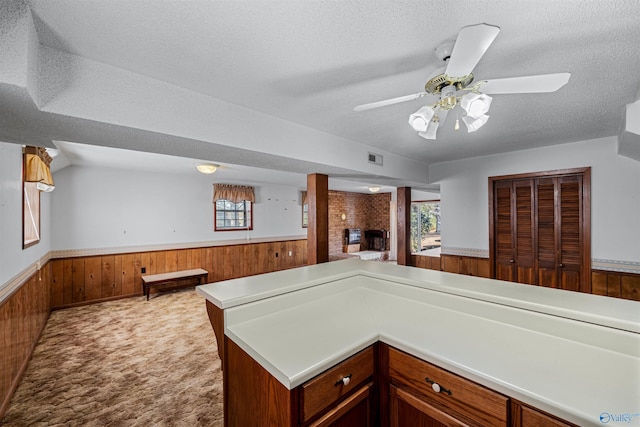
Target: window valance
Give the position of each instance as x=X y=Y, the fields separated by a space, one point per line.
x=37 y=162
x=233 y=193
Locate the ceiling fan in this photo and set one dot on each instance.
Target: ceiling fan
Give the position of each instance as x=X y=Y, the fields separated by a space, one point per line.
x=453 y=84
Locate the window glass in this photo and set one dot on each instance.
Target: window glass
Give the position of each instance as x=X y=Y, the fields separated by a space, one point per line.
x=233 y=216
x=425 y=226
x=30 y=214
x=305 y=215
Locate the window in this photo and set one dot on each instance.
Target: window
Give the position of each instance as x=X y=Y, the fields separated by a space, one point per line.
x=305 y=209
x=233 y=215
x=305 y=215
x=31 y=214
x=36 y=177
x=425 y=225
x=232 y=207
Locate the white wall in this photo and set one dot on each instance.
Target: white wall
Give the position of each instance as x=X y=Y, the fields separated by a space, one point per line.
x=615 y=194
x=111 y=208
x=13 y=259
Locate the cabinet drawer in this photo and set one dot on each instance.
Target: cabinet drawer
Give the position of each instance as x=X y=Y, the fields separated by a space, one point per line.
x=526 y=416
x=322 y=391
x=460 y=395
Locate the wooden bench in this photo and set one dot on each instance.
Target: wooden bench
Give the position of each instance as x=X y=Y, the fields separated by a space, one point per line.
x=173 y=277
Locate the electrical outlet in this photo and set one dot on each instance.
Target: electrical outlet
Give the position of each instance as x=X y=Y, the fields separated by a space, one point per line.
x=143 y=270
x=290 y=253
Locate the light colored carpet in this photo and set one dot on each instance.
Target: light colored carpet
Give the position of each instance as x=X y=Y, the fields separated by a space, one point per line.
x=124 y=363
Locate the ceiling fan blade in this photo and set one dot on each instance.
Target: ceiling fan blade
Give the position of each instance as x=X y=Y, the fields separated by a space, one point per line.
x=392 y=101
x=526 y=84
x=471 y=44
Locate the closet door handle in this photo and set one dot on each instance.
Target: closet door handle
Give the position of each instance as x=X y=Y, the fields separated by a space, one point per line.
x=511 y=261
x=561 y=265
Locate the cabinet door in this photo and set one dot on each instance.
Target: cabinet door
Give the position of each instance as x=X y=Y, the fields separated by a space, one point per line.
x=560 y=232
x=523 y=225
x=503 y=231
x=354 y=411
x=571 y=238
x=547 y=233
x=407 y=410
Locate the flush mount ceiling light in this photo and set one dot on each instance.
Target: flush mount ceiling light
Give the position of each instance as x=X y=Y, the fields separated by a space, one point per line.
x=207 y=168
x=374 y=189
x=453 y=84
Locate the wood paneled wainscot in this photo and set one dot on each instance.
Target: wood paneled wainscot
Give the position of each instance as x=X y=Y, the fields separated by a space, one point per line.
x=616 y=284
x=87 y=279
x=467 y=265
x=23 y=315
x=607 y=283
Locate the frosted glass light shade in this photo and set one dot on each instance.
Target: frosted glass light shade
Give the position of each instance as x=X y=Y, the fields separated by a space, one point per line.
x=420 y=120
x=475 y=105
x=431 y=131
x=475 y=124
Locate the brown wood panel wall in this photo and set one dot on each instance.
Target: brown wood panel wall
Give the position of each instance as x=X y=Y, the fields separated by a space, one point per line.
x=428 y=262
x=22 y=318
x=82 y=280
x=606 y=283
x=615 y=284
x=470 y=266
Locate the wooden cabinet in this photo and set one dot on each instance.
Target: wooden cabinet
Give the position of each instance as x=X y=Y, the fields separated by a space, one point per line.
x=323 y=391
x=525 y=416
x=540 y=229
x=410 y=410
x=342 y=396
x=422 y=394
x=354 y=411
x=386 y=387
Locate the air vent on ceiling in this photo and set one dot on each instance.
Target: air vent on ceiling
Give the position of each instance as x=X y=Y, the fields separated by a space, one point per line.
x=376 y=159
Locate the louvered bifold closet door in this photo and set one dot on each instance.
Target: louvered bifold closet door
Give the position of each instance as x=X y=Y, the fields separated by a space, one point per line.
x=504 y=238
x=547 y=232
x=540 y=229
x=523 y=226
x=570 y=250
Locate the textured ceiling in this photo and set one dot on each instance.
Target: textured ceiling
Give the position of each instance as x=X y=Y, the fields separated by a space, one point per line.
x=311 y=62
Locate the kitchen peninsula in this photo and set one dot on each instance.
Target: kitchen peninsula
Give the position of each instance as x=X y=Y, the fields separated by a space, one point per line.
x=365 y=343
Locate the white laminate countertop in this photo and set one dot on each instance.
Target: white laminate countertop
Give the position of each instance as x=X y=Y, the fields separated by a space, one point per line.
x=573 y=355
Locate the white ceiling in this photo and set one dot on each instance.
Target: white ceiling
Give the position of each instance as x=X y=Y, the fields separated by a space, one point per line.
x=311 y=62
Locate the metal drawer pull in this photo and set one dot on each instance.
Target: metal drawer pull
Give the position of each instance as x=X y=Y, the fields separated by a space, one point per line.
x=344 y=381
x=437 y=387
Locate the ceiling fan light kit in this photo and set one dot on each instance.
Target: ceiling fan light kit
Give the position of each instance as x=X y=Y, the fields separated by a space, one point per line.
x=421 y=118
x=475 y=104
x=451 y=85
x=474 y=124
